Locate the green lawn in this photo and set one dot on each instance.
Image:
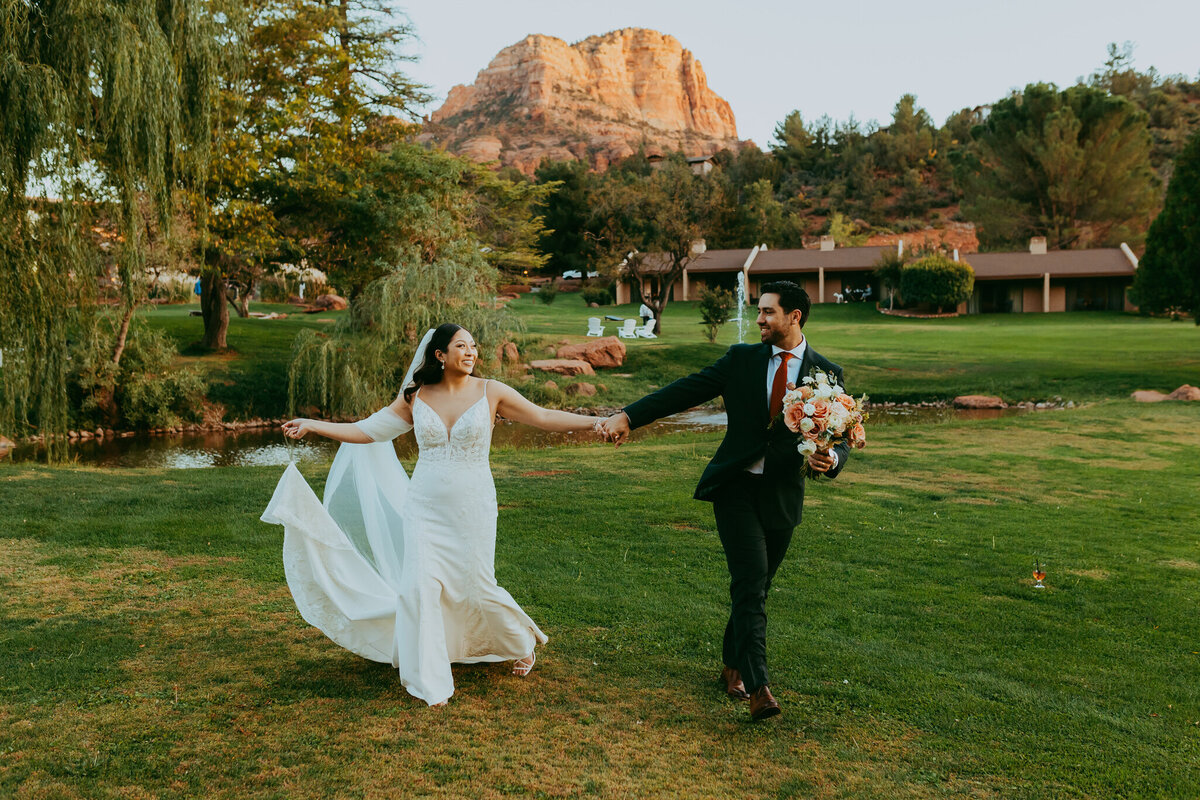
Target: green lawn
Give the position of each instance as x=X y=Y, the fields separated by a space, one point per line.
x=250 y=379
x=1078 y=356
x=149 y=646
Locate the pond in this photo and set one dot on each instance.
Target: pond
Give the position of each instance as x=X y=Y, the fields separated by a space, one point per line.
x=267 y=447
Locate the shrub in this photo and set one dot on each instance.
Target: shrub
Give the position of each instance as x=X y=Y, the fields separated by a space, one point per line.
x=715 y=306
x=274 y=289
x=148 y=389
x=937 y=280
x=599 y=293
x=548 y=292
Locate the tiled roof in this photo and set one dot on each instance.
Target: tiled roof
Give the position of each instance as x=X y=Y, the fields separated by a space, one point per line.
x=1098 y=262
x=708 y=261
x=719 y=261
x=840 y=258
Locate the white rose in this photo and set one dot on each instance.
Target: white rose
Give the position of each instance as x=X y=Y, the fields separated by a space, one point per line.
x=810 y=409
x=823 y=391
x=807 y=425
x=822 y=378
x=806 y=448
x=807 y=379
x=838 y=390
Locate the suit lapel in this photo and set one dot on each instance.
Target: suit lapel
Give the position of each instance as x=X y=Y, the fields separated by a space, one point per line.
x=759 y=377
x=806 y=363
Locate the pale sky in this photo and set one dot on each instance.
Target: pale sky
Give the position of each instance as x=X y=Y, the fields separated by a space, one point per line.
x=767 y=57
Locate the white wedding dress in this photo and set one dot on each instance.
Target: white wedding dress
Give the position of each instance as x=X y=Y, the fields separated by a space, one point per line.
x=402 y=571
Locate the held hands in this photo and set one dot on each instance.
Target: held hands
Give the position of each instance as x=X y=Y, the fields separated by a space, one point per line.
x=614 y=429
x=296 y=428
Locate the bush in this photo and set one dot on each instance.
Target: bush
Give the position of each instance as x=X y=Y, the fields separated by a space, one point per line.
x=548 y=292
x=600 y=294
x=715 y=306
x=274 y=289
x=149 y=389
x=937 y=280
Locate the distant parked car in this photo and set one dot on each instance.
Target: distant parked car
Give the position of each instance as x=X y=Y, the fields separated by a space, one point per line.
x=572 y=273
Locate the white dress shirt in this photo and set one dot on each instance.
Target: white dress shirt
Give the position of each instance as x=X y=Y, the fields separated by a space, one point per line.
x=793 y=377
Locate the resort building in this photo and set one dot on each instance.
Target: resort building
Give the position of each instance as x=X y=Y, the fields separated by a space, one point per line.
x=1032 y=281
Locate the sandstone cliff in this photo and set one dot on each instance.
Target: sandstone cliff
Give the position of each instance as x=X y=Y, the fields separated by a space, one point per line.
x=596 y=100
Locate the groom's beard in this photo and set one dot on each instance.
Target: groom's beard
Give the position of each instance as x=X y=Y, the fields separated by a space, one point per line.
x=771 y=335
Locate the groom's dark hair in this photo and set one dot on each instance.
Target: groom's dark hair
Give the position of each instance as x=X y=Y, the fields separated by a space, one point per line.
x=791 y=297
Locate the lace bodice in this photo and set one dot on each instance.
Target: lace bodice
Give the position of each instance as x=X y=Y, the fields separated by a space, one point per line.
x=466 y=443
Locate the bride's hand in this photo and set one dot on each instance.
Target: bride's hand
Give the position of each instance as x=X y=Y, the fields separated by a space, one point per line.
x=296 y=428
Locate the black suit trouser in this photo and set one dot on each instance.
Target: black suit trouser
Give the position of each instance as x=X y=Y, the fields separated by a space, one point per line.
x=754 y=548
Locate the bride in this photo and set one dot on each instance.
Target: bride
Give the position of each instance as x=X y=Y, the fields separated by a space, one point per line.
x=402 y=570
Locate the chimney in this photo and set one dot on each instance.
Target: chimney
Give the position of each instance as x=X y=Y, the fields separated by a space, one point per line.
x=826 y=242
x=1037 y=245
x=698 y=247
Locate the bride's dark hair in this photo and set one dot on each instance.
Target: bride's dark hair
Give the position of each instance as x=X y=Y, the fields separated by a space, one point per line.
x=431 y=371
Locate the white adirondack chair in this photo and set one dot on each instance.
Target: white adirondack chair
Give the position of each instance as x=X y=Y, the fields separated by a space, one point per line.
x=595 y=327
x=628 y=329
x=647 y=330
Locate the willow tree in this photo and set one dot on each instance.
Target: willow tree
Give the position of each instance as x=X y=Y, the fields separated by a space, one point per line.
x=102 y=103
x=358 y=366
x=461 y=224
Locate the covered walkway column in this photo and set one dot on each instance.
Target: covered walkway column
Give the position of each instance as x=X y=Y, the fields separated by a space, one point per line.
x=1046 y=293
x=687 y=293
x=820 y=284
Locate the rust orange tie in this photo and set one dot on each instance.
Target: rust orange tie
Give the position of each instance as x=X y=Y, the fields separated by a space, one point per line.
x=779 y=385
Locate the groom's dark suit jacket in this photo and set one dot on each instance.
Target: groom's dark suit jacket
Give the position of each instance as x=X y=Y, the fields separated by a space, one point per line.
x=740 y=377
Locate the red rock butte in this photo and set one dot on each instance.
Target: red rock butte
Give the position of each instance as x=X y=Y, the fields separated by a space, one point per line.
x=597 y=100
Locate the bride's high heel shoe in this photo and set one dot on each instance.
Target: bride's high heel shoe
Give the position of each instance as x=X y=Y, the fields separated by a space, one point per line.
x=522 y=667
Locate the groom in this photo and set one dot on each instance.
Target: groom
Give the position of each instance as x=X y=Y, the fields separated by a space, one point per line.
x=756 y=479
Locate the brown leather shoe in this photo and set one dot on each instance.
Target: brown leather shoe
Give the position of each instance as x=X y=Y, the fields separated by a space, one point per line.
x=731 y=680
x=763 y=704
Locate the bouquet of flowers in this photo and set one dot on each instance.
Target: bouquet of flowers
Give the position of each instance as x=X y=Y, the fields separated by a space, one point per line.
x=823 y=415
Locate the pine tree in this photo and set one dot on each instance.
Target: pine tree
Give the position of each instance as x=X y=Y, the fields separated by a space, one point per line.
x=1075 y=164
x=1168 y=276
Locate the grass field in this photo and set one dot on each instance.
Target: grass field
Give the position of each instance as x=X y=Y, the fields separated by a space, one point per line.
x=149 y=646
x=249 y=379
x=1078 y=356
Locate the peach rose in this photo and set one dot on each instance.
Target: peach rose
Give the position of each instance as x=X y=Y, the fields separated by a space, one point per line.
x=858 y=437
x=820 y=408
x=792 y=416
x=847 y=401
x=806 y=392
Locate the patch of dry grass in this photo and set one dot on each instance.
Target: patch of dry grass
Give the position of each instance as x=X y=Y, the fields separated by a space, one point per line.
x=149 y=646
